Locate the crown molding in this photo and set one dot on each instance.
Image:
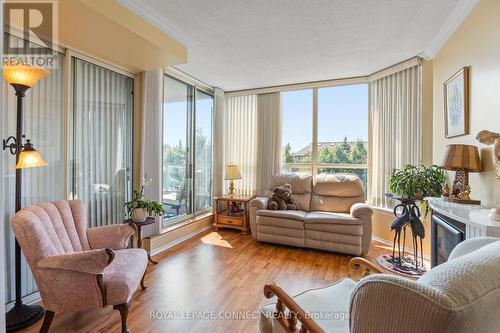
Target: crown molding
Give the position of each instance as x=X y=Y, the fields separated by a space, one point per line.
x=456 y=18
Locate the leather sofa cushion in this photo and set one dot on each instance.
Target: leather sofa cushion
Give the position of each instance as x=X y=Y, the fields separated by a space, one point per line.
x=279 y=222
x=334 y=204
x=301 y=187
x=298 y=215
x=331 y=218
x=338 y=185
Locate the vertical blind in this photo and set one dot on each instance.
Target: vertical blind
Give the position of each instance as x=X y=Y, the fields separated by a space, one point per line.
x=240 y=130
x=102 y=141
x=43 y=124
x=396 y=122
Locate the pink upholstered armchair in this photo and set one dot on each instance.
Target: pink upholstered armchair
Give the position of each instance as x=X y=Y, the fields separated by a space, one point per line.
x=77 y=268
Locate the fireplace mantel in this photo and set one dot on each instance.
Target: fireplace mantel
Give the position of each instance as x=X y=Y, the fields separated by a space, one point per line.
x=475 y=217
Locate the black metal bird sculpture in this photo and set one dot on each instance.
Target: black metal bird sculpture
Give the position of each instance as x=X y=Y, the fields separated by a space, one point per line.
x=398 y=225
x=418 y=230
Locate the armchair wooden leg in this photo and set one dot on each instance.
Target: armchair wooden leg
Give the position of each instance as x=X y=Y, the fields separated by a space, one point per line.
x=47 y=320
x=143 y=285
x=123 y=308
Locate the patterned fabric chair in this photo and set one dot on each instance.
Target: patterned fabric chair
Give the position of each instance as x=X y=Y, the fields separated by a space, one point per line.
x=77 y=268
x=458 y=296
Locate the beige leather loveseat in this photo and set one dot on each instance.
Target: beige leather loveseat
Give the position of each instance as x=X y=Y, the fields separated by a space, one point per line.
x=332 y=214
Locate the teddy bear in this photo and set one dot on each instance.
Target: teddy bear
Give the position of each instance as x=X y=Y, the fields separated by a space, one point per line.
x=282 y=199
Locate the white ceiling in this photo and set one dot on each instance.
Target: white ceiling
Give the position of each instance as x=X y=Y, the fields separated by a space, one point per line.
x=243 y=44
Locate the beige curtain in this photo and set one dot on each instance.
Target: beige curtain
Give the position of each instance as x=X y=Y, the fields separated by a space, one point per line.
x=218 y=142
x=240 y=140
x=396 y=127
x=269 y=123
x=151 y=142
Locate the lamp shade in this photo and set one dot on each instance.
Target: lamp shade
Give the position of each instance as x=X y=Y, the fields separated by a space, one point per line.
x=29 y=157
x=24 y=75
x=232 y=172
x=462 y=157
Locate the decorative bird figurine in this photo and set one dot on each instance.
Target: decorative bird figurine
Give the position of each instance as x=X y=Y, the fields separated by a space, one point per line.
x=398 y=225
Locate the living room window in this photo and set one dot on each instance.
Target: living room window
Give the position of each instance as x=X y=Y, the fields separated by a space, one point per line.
x=325 y=130
x=187 y=150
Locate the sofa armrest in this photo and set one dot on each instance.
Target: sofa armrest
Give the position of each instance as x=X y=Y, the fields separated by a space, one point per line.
x=359 y=209
x=115 y=236
x=256 y=204
x=259 y=202
x=91 y=261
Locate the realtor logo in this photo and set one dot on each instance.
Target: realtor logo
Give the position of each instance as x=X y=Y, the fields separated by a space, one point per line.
x=31 y=28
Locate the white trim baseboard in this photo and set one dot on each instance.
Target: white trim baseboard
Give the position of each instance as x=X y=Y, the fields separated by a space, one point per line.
x=179 y=240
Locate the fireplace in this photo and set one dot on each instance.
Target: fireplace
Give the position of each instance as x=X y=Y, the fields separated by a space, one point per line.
x=446 y=234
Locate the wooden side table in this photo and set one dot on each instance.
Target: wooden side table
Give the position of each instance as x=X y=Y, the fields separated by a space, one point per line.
x=139 y=225
x=232 y=212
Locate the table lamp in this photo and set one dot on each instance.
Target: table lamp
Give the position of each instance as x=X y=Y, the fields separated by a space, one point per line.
x=462 y=159
x=232 y=173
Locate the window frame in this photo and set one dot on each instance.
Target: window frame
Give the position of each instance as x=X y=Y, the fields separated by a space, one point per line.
x=314 y=165
x=195 y=86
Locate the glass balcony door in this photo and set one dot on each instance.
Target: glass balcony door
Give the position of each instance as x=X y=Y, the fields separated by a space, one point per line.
x=177 y=142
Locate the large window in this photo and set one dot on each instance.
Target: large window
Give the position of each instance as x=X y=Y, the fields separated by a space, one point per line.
x=329 y=135
x=187 y=150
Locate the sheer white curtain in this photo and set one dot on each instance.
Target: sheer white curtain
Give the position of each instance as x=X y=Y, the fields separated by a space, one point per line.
x=102 y=146
x=269 y=123
x=240 y=137
x=151 y=143
x=396 y=126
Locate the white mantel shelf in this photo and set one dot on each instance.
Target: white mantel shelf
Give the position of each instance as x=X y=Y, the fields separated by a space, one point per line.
x=475 y=217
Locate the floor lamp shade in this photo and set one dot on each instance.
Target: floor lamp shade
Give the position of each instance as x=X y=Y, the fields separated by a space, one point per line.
x=30 y=158
x=24 y=75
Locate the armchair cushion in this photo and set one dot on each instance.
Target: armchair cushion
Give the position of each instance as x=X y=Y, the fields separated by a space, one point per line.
x=91 y=261
x=470 y=245
x=359 y=209
x=115 y=237
x=328 y=306
x=123 y=275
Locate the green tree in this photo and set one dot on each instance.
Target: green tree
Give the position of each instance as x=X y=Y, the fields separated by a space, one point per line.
x=326 y=155
x=346 y=147
x=307 y=157
x=359 y=154
x=287 y=154
x=339 y=155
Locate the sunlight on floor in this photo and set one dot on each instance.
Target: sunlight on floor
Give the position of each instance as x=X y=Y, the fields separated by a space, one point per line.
x=214 y=238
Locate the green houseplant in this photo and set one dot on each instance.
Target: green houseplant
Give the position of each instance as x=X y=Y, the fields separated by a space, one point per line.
x=139 y=208
x=414 y=183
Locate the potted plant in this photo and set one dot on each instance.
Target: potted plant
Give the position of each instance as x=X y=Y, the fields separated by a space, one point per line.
x=139 y=208
x=414 y=183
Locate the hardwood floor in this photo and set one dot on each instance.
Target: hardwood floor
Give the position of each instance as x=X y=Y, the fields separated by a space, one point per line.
x=214 y=274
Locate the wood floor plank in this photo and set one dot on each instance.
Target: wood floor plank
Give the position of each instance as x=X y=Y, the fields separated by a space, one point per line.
x=217 y=273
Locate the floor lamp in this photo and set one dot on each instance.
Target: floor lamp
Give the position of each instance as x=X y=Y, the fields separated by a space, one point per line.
x=22 y=78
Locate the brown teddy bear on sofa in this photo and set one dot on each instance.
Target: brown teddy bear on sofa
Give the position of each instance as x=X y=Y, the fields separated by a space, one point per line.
x=282 y=199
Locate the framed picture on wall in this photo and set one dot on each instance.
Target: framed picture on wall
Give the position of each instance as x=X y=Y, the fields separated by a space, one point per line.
x=456 y=104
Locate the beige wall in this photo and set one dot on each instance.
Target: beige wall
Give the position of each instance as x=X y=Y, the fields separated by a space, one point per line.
x=476 y=43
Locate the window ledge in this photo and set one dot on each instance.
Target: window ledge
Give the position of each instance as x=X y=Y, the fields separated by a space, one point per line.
x=184 y=223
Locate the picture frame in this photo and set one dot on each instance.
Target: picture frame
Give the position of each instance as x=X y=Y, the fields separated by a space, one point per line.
x=456 y=104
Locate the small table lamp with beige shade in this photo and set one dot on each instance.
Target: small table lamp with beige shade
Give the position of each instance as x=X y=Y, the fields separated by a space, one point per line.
x=462 y=159
x=232 y=174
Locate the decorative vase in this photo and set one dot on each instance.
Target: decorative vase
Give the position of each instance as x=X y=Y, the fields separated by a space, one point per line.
x=139 y=215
